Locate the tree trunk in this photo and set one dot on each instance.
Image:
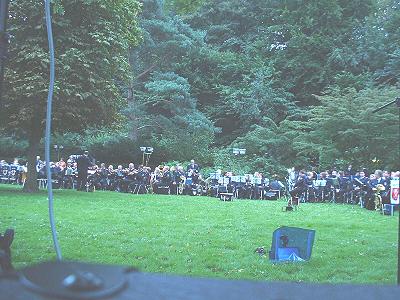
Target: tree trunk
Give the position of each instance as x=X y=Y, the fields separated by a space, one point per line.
x=31 y=185
x=133 y=134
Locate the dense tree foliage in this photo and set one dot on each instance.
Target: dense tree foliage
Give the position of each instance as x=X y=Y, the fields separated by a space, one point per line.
x=184 y=6
x=92 y=40
x=293 y=81
x=263 y=71
x=343 y=130
x=163 y=108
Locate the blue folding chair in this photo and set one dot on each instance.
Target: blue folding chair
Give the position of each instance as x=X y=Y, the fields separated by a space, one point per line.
x=291 y=244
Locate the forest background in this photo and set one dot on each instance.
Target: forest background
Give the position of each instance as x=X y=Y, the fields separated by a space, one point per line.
x=292 y=81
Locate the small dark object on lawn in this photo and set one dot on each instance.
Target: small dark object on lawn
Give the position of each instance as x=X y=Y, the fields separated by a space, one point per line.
x=260 y=250
x=289 y=208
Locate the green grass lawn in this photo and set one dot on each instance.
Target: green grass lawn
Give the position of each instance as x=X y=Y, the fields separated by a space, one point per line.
x=201 y=236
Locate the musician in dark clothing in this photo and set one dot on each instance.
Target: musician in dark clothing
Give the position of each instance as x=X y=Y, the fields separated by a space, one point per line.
x=130 y=179
x=142 y=179
x=360 y=182
x=175 y=179
x=362 y=179
x=345 y=186
x=143 y=175
x=351 y=172
x=370 y=196
x=120 y=174
x=102 y=175
x=300 y=185
x=166 y=179
x=83 y=163
x=386 y=183
x=193 y=167
x=111 y=178
x=195 y=176
x=314 y=174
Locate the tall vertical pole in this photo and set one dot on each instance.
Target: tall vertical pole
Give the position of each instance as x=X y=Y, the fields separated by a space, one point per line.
x=47 y=5
x=3 y=41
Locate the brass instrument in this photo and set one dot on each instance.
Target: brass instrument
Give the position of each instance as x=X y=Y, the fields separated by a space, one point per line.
x=377 y=197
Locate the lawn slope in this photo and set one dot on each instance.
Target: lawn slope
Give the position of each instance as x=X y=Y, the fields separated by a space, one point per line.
x=200 y=236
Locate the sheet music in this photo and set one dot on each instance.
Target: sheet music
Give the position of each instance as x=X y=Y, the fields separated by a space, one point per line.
x=223 y=180
x=320 y=183
x=256 y=180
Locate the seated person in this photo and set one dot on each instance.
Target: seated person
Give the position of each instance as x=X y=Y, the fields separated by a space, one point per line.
x=130 y=179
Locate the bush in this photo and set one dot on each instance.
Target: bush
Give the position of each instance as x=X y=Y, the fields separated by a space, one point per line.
x=11 y=148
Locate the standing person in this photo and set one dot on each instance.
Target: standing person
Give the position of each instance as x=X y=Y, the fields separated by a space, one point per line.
x=83 y=163
x=299 y=188
x=175 y=178
x=386 y=184
x=193 y=166
x=39 y=164
x=292 y=177
x=371 y=188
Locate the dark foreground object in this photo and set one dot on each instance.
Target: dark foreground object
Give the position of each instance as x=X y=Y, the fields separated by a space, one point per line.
x=159 y=286
x=5 y=251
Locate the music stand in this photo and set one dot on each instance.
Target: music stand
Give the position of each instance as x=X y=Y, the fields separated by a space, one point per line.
x=224 y=180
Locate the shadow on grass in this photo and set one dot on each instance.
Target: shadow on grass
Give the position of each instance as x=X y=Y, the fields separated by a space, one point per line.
x=18 y=189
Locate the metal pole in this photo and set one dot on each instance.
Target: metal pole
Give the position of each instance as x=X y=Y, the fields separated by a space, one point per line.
x=3 y=40
x=397 y=100
x=48 y=129
x=147 y=158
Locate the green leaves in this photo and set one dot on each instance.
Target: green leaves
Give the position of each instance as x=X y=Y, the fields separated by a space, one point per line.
x=92 y=41
x=184 y=6
x=293 y=79
x=344 y=130
x=181 y=129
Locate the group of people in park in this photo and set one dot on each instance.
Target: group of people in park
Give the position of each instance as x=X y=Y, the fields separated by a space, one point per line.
x=80 y=172
x=370 y=189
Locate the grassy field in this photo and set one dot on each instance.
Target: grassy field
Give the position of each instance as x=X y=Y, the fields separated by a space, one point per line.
x=201 y=236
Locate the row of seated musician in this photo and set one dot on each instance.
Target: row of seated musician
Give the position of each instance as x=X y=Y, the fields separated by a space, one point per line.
x=343 y=187
x=16 y=172
x=130 y=179
x=163 y=180
x=13 y=172
x=119 y=179
x=248 y=186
